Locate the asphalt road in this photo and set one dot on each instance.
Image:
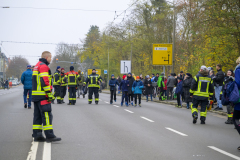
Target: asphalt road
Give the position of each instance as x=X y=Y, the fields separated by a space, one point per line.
x=111 y=132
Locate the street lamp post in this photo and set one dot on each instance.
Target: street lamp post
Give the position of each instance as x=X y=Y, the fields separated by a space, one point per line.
x=174 y=26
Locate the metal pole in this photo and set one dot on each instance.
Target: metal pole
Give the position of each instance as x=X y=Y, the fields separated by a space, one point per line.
x=174 y=25
x=131 y=57
x=108 y=69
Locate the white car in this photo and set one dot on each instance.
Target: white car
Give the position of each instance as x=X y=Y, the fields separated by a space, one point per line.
x=14 y=83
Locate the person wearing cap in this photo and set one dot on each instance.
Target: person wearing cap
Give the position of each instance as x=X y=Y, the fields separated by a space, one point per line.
x=201 y=89
x=63 y=85
x=93 y=81
x=124 y=85
x=130 y=93
x=161 y=85
x=113 y=83
x=56 y=85
x=80 y=85
x=137 y=90
x=218 y=82
x=149 y=88
x=26 y=80
x=71 y=78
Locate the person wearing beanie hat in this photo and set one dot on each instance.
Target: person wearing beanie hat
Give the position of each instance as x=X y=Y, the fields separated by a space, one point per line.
x=130 y=93
x=149 y=88
x=124 y=85
x=56 y=85
x=186 y=87
x=72 y=79
x=94 y=81
x=63 y=86
x=113 y=87
x=26 y=80
x=81 y=86
x=201 y=89
x=137 y=90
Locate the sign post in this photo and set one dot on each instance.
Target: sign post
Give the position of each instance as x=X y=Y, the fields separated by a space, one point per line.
x=125 y=67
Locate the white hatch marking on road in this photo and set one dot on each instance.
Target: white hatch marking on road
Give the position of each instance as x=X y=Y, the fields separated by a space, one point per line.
x=224 y=152
x=100 y=100
x=147 y=119
x=115 y=106
x=182 y=134
x=46 y=151
x=128 y=111
x=33 y=151
x=106 y=102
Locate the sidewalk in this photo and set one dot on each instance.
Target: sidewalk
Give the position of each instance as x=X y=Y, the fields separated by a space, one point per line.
x=174 y=102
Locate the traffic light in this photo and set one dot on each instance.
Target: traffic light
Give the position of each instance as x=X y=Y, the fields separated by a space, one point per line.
x=56 y=60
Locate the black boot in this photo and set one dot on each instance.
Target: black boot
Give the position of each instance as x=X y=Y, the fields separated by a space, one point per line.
x=229 y=121
x=96 y=102
x=69 y=103
x=25 y=105
x=89 y=102
x=39 y=137
x=195 y=119
x=202 y=122
x=53 y=139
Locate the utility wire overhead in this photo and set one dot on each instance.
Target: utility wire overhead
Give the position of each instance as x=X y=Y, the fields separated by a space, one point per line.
x=37 y=43
x=124 y=11
x=63 y=9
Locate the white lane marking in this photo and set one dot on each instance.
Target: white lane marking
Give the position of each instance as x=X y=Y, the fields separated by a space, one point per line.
x=147 y=119
x=33 y=151
x=224 y=152
x=115 y=106
x=100 y=100
x=182 y=134
x=128 y=111
x=46 y=151
x=106 y=102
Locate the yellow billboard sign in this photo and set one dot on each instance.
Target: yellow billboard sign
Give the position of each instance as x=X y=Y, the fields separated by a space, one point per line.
x=162 y=54
x=98 y=71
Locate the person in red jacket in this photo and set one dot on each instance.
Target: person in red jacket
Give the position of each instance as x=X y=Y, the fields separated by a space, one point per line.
x=42 y=97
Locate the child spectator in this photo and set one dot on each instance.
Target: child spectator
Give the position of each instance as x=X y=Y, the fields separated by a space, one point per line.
x=137 y=90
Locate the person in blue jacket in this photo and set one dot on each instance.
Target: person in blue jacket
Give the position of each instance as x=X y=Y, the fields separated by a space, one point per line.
x=113 y=83
x=179 y=91
x=124 y=85
x=26 y=80
x=236 y=112
x=137 y=90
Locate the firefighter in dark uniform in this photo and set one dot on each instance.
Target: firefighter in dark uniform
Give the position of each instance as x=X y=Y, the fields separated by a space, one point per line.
x=71 y=78
x=56 y=85
x=93 y=81
x=201 y=89
x=63 y=85
x=42 y=97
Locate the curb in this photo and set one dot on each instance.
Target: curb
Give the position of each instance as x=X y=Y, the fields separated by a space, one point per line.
x=174 y=104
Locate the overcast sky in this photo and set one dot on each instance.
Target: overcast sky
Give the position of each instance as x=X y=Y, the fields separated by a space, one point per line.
x=51 y=26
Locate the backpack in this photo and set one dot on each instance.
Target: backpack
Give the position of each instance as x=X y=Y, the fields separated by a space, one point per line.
x=232 y=92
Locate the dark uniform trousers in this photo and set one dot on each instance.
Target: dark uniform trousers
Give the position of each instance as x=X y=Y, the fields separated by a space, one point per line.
x=42 y=120
x=57 y=93
x=72 y=95
x=63 y=92
x=203 y=112
x=113 y=93
x=92 y=90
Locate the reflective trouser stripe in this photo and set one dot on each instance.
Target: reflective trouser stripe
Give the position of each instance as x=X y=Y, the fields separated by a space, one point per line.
x=47 y=118
x=37 y=127
x=203 y=114
x=90 y=100
x=70 y=98
x=193 y=109
x=73 y=98
x=96 y=99
x=47 y=127
x=230 y=115
x=58 y=97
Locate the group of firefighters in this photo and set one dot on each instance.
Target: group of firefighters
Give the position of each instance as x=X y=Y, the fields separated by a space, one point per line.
x=43 y=97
